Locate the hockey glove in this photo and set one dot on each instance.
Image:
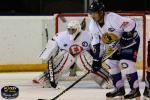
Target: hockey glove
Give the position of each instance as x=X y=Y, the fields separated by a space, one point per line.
x=96 y=66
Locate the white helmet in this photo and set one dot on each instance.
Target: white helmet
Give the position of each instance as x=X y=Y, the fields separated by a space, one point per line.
x=74 y=28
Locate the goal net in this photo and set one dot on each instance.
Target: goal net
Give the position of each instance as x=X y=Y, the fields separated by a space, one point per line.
x=61 y=21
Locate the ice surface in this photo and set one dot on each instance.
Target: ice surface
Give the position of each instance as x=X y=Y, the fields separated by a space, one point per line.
x=84 y=90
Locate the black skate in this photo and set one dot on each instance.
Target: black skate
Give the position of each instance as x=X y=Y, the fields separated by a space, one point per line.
x=133 y=94
x=118 y=92
x=146 y=93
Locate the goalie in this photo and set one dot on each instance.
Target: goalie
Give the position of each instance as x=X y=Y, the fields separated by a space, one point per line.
x=65 y=49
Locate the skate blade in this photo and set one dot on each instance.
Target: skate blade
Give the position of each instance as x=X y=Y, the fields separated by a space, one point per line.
x=116 y=98
x=146 y=98
x=137 y=98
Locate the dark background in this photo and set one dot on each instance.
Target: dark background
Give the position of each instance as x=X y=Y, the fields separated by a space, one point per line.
x=41 y=7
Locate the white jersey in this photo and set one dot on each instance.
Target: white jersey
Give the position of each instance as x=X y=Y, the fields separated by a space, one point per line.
x=82 y=42
x=114 y=26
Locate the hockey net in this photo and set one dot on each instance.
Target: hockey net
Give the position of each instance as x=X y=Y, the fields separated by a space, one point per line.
x=61 y=21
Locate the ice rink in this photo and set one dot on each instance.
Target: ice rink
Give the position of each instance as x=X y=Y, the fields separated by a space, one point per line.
x=84 y=90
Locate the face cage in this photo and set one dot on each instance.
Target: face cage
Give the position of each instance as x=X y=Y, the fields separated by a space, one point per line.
x=71 y=31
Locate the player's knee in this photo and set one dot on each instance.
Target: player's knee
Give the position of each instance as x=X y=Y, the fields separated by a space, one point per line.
x=128 y=66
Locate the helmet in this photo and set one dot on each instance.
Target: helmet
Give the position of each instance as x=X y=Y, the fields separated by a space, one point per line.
x=74 y=28
x=96 y=6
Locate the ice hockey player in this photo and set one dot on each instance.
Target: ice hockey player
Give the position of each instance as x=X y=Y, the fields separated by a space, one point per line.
x=120 y=37
x=147 y=82
x=69 y=47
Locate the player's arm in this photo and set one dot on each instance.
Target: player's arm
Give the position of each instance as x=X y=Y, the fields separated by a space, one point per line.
x=96 y=57
x=95 y=41
x=95 y=45
x=129 y=31
x=124 y=24
x=120 y=22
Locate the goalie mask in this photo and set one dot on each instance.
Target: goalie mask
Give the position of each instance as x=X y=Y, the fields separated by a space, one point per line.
x=74 y=28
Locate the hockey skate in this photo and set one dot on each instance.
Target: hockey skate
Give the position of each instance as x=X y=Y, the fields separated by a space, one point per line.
x=133 y=94
x=118 y=92
x=146 y=94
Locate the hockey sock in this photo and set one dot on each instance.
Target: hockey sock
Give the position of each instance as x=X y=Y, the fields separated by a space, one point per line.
x=117 y=80
x=133 y=80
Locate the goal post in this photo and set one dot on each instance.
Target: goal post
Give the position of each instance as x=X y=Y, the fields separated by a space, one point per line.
x=140 y=18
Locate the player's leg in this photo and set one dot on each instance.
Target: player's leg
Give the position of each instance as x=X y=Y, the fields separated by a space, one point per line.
x=118 y=83
x=84 y=62
x=62 y=63
x=128 y=59
x=147 y=81
x=132 y=77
